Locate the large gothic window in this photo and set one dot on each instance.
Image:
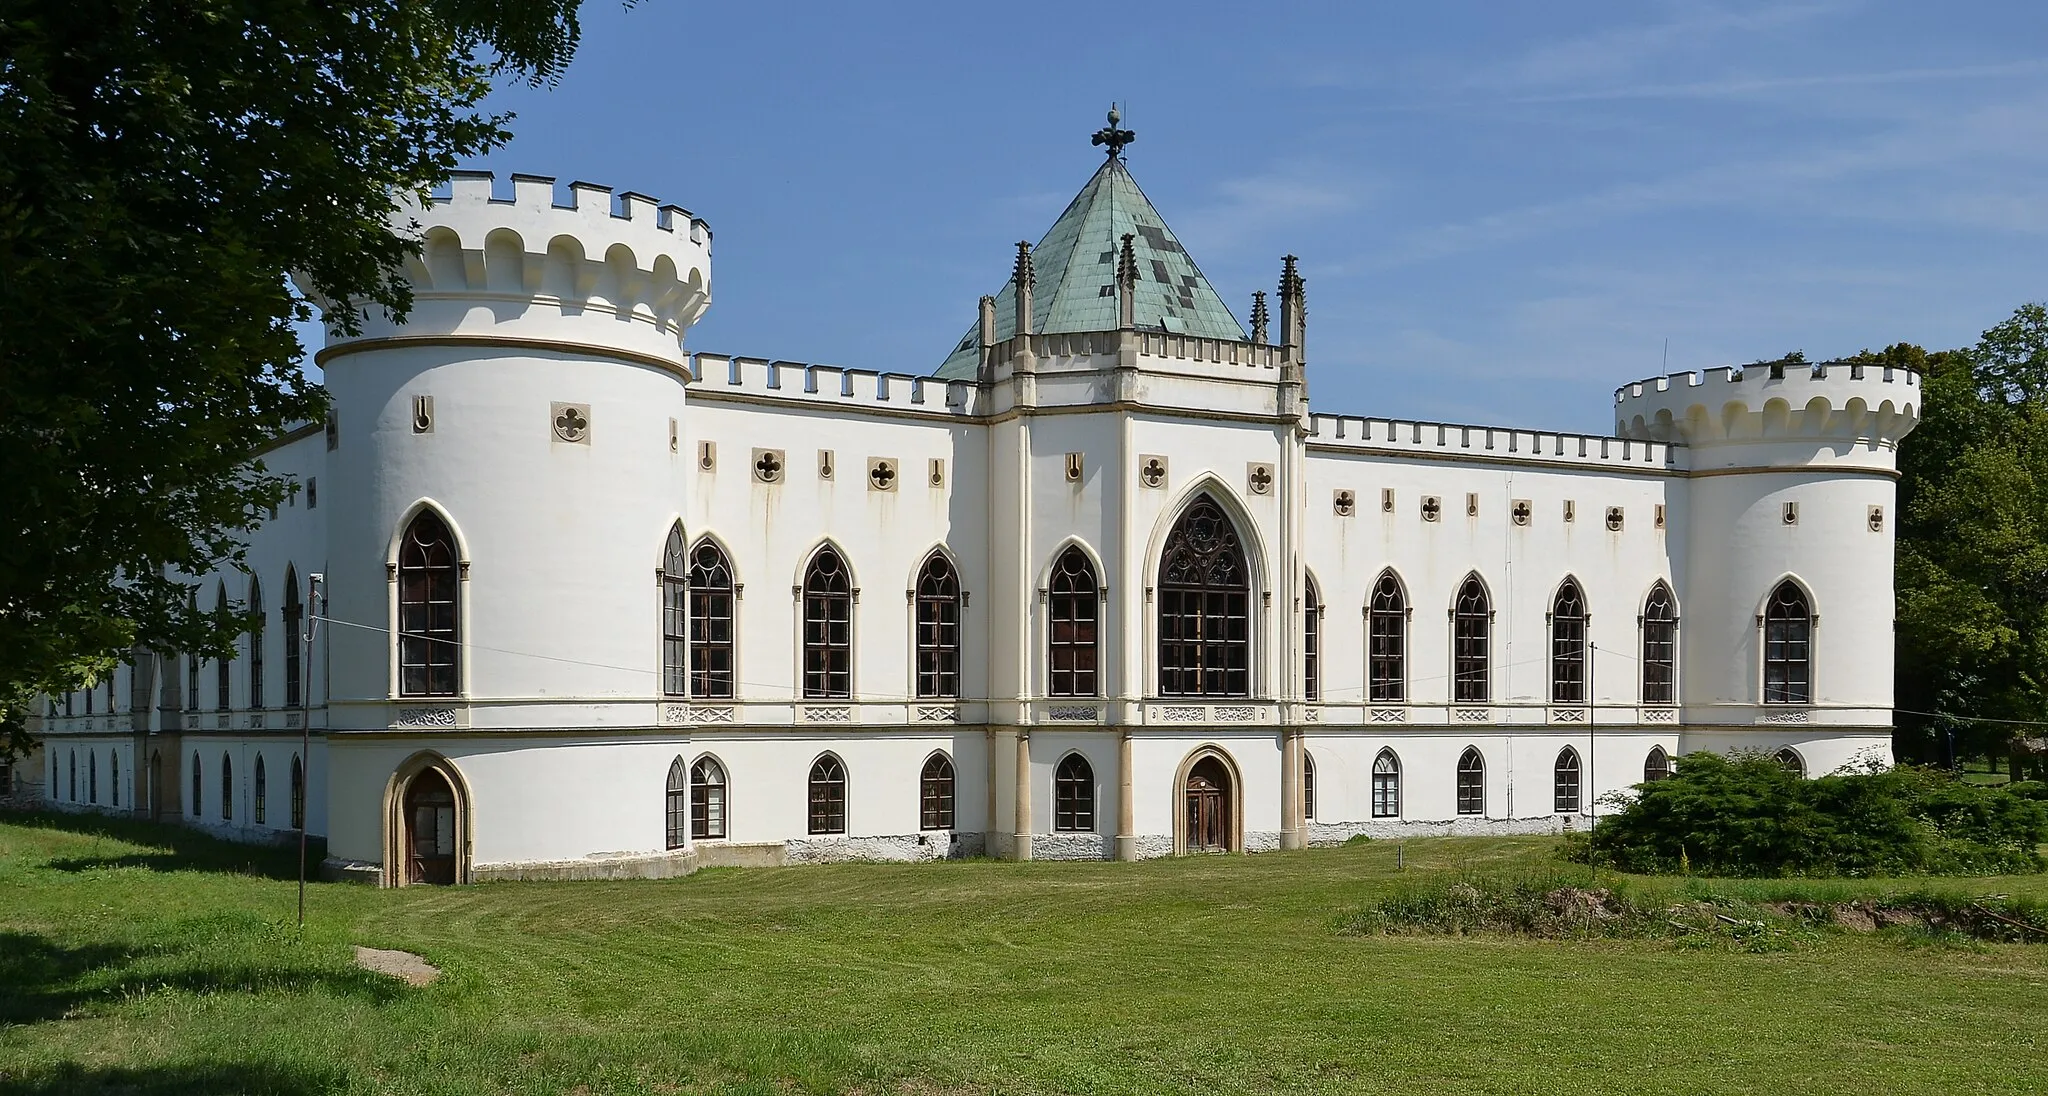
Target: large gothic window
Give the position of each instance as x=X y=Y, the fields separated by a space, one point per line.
x=1568 y=644
x=428 y=635
x=1565 y=782
x=1471 y=625
x=935 y=794
x=1073 y=608
x=711 y=623
x=675 y=617
x=828 y=629
x=1386 y=641
x=1073 y=796
x=707 y=800
x=1788 y=636
x=294 y=661
x=1660 y=647
x=938 y=628
x=828 y=795
x=223 y=685
x=1204 y=598
x=1471 y=782
x=1311 y=641
x=1386 y=785
x=677 y=802
x=255 y=645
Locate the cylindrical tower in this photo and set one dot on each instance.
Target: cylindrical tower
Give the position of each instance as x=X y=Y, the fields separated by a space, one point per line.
x=531 y=404
x=1785 y=582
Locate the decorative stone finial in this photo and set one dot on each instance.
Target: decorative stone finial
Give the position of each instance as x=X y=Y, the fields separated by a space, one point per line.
x=1127 y=281
x=1293 y=309
x=1026 y=278
x=1259 y=316
x=1113 y=137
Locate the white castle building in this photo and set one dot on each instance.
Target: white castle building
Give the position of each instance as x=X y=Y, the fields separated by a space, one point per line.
x=1100 y=586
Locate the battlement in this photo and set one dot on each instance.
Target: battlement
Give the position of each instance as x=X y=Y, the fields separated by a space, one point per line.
x=1870 y=404
x=1493 y=443
x=836 y=387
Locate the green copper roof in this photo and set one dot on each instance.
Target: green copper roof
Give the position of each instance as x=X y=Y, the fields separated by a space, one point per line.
x=1076 y=268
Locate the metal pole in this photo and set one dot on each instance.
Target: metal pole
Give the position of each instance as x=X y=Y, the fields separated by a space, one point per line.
x=314 y=584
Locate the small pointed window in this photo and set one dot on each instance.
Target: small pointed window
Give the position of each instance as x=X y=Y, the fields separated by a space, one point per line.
x=1793 y=763
x=1311 y=641
x=1657 y=766
x=255 y=644
x=1072 y=608
x=1308 y=786
x=678 y=804
x=828 y=628
x=1788 y=635
x=675 y=617
x=92 y=776
x=1471 y=643
x=1471 y=782
x=113 y=778
x=935 y=794
x=298 y=793
x=1660 y=647
x=1565 y=782
x=197 y=785
x=258 y=808
x=938 y=628
x=1568 y=644
x=222 y=668
x=294 y=662
x=1386 y=785
x=227 y=788
x=429 y=640
x=828 y=796
x=1073 y=796
x=707 y=800
x=711 y=623
x=1386 y=632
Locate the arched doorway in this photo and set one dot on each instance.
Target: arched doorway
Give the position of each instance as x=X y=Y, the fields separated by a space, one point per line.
x=429 y=830
x=1208 y=803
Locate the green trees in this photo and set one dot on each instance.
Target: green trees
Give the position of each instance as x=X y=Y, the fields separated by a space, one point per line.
x=1973 y=541
x=165 y=163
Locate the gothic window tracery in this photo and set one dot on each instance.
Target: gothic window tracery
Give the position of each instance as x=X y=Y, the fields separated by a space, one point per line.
x=675 y=616
x=1788 y=636
x=1471 y=643
x=1387 y=641
x=1568 y=644
x=1204 y=598
x=1073 y=609
x=428 y=628
x=938 y=628
x=1660 y=647
x=828 y=627
x=711 y=624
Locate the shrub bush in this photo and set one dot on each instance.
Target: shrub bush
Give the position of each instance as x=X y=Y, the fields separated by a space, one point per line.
x=1748 y=816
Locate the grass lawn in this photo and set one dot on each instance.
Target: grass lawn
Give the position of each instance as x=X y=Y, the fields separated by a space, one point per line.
x=147 y=961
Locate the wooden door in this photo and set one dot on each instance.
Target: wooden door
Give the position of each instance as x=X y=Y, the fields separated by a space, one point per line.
x=430 y=830
x=1208 y=823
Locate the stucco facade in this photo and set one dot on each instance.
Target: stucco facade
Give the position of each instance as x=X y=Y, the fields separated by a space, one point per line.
x=540 y=406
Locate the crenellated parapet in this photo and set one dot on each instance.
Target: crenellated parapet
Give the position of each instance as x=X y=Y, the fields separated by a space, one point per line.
x=619 y=274
x=1776 y=414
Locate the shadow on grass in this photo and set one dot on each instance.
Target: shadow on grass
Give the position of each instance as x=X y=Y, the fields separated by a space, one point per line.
x=198 y=1079
x=172 y=847
x=41 y=980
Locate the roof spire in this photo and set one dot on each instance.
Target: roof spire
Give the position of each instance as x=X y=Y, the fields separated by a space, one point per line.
x=1026 y=279
x=1259 y=317
x=1127 y=283
x=1115 y=138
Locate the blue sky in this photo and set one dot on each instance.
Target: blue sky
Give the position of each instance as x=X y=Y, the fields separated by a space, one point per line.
x=1503 y=211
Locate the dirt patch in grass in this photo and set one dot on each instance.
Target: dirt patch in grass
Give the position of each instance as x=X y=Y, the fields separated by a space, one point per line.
x=413 y=970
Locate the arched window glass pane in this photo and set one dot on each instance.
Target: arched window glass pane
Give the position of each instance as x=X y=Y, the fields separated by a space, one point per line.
x=92 y=776
x=1072 y=603
x=828 y=629
x=298 y=793
x=938 y=629
x=1660 y=647
x=227 y=788
x=71 y=776
x=1657 y=766
x=1568 y=645
x=1566 y=782
x=1073 y=796
x=428 y=624
x=1204 y=598
x=294 y=662
x=707 y=800
x=1386 y=641
x=1311 y=641
x=675 y=617
x=258 y=809
x=197 y=785
x=1793 y=763
x=1471 y=782
x=711 y=623
x=113 y=778
x=828 y=796
x=1788 y=631
x=678 y=803
x=1308 y=786
x=222 y=668
x=1386 y=785
x=1471 y=627
x=255 y=644
x=935 y=794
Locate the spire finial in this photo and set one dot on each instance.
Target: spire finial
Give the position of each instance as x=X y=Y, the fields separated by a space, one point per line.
x=1113 y=137
x=1023 y=271
x=1259 y=316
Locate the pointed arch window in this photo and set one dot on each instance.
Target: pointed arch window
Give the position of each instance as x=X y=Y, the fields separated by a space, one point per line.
x=429 y=637
x=1311 y=640
x=1471 y=782
x=113 y=778
x=1660 y=647
x=1471 y=643
x=1657 y=766
x=1790 y=759
x=711 y=623
x=828 y=629
x=678 y=803
x=675 y=617
x=197 y=785
x=1204 y=597
x=222 y=667
x=1072 y=611
x=828 y=795
x=1788 y=646
x=1073 y=796
x=71 y=776
x=258 y=808
x=255 y=644
x=294 y=662
x=1568 y=644
x=1308 y=786
x=298 y=793
x=1386 y=785
x=935 y=794
x=1565 y=782
x=92 y=776
x=707 y=800
x=938 y=629
x=227 y=788
x=1386 y=641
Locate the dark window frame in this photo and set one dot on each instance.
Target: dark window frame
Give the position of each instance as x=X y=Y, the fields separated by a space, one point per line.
x=1660 y=646
x=828 y=626
x=1073 y=795
x=938 y=613
x=710 y=806
x=1656 y=765
x=936 y=784
x=1566 y=788
x=290 y=615
x=674 y=581
x=1203 y=606
x=827 y=796
x=259 y=807
x=676 y=804
x=1386 y=784
x=429 y=608
x=1568 y=632
x=227 y=787
x=298 y=793
x=1471 y=782
x=1073 y=626
x=1386 y=641
x=255 y=645
x=1787 y=622
x=1311 y=639
x=713 y=622
x=1472 y=643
